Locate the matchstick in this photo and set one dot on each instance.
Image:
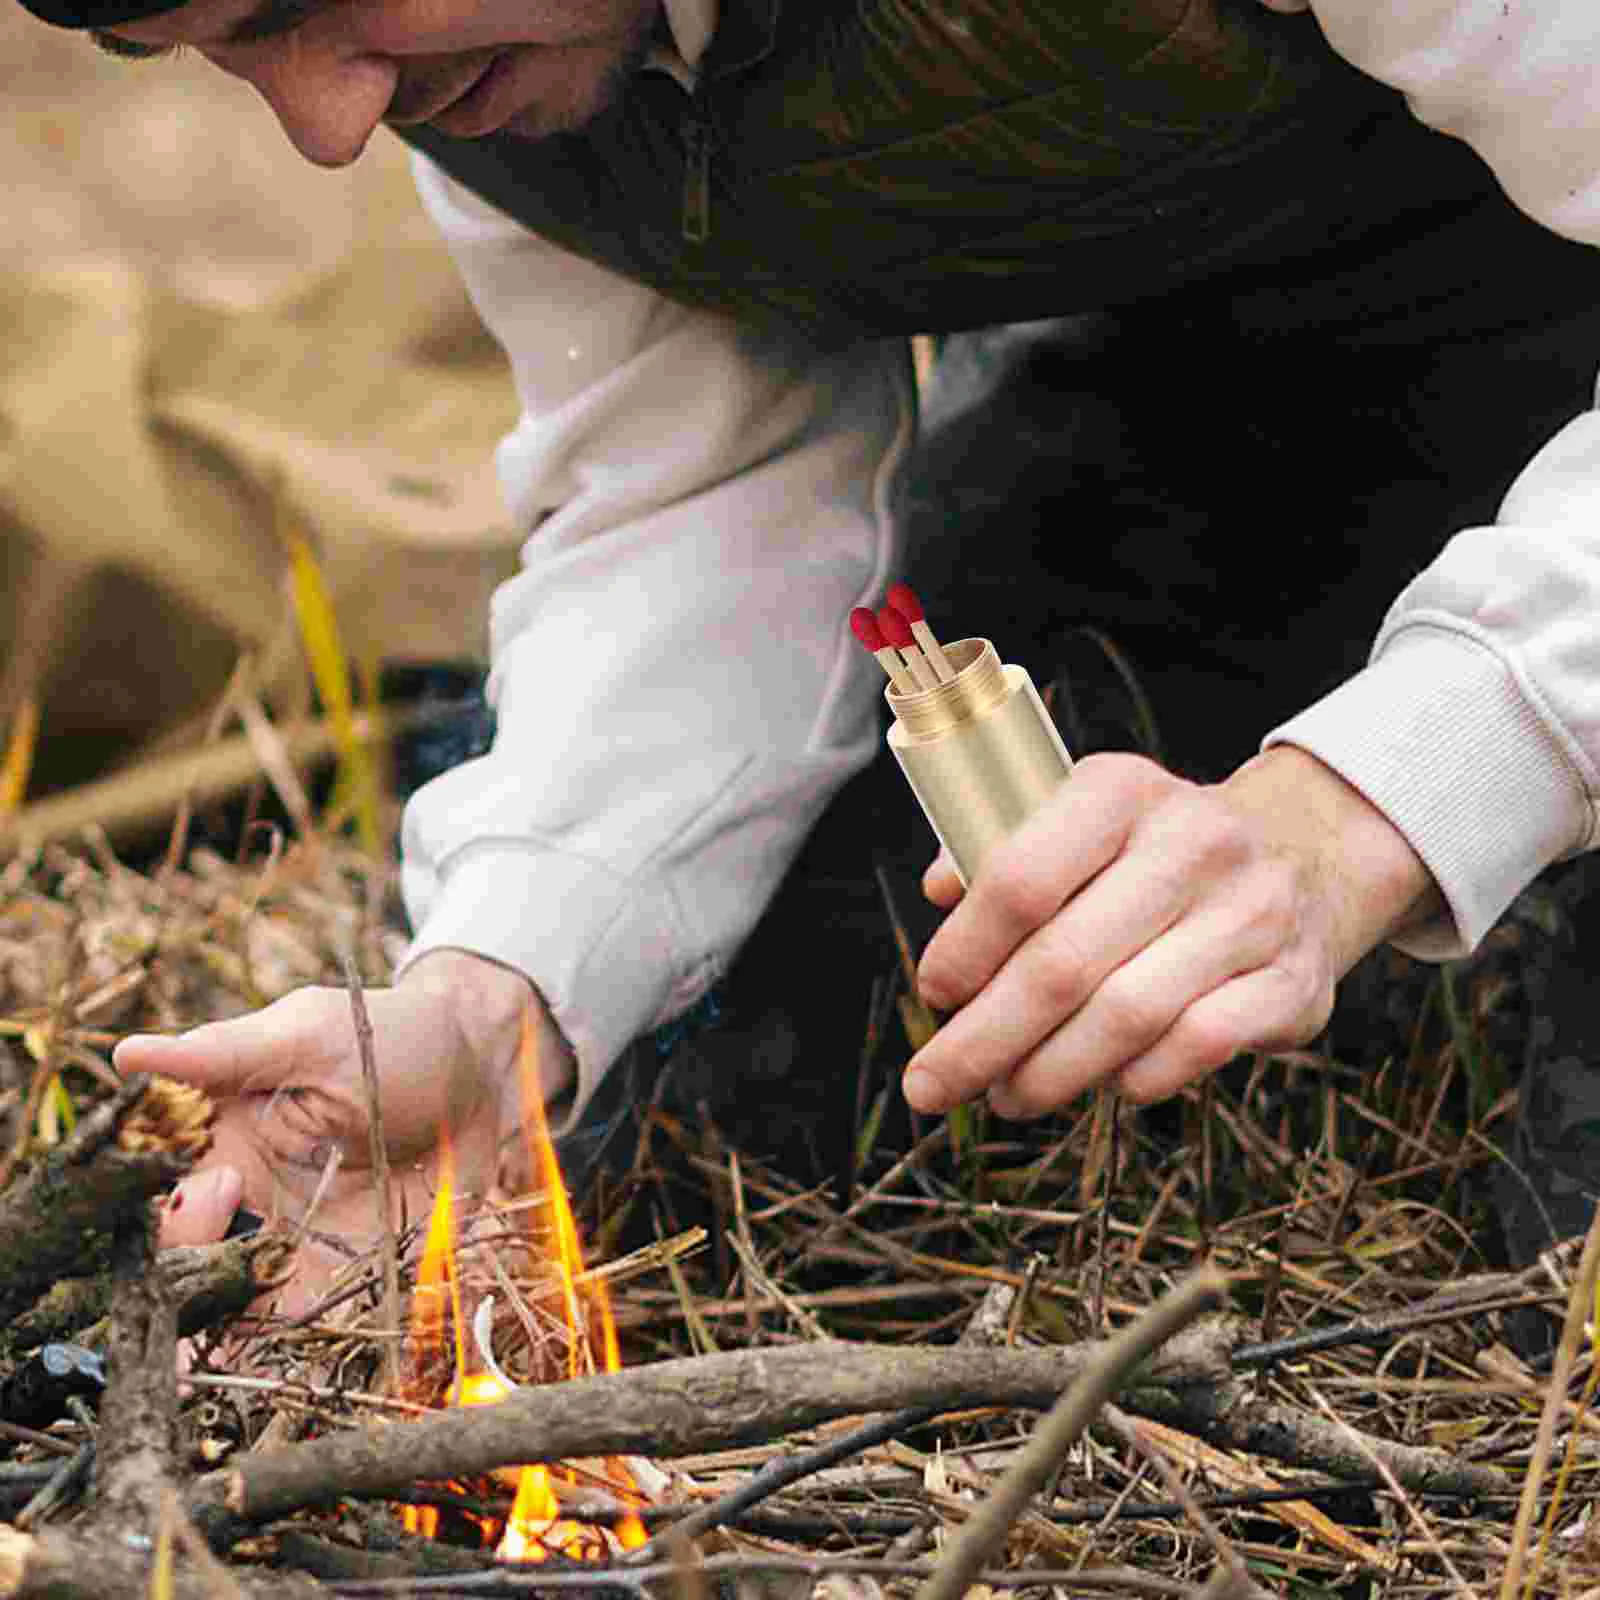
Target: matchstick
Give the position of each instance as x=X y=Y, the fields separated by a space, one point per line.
x=897 y=631
x=903 y=598
x=864 y=625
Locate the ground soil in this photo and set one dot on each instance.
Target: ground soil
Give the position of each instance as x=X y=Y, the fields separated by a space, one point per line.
x=173 y=168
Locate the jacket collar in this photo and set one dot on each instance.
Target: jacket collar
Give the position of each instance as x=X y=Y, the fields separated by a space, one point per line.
x=745 y=31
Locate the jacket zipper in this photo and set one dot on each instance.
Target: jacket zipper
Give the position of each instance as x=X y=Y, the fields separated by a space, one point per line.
x=697 y=144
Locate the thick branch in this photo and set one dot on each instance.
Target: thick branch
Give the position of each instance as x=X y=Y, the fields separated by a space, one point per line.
x=86 y=1186
x=676 y=1408
x=1232 y=1416
x=209 y=1283
x=89 y=1564
x=671 y=1408
x=138 y=1415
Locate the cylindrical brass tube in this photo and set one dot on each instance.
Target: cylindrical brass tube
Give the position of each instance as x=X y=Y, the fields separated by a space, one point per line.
x=980 y=752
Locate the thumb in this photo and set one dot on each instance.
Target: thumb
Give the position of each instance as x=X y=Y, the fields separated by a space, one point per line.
x=258 y=1051
x=199 y=1210
x=941 y=883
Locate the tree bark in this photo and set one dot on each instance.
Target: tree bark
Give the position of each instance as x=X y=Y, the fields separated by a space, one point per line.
x=85 y=1187
x=88 y=1564
x=139 y=1412
x=209 y=1283
x=676 y=1408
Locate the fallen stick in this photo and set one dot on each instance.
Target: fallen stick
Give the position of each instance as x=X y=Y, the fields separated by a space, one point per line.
x=208 y=1283
x=669 y=1408
x=1232 y=1416
x=986 y=1327
x=89 y=1564
x=678 y=1408
x=139 y=1411
x=140 y=1141
x=1113 y=1580
x=1101 y=1378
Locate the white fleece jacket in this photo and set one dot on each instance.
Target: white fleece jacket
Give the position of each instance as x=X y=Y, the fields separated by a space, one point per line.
x=677 y=693
x=1516 y=79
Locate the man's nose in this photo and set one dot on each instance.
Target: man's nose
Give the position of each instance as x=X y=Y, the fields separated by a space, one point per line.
x=327 y=103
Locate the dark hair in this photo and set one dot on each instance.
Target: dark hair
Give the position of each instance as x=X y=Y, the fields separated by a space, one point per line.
x=97 y=15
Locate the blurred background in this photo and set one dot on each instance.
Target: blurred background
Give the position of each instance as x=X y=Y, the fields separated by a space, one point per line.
x=210 y=349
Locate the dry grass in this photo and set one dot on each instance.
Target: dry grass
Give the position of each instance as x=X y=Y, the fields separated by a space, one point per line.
x=1327 y=1194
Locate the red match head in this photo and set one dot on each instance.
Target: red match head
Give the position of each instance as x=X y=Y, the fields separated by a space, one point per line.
x=865 y=627
x=904 y=600
x=896 y=629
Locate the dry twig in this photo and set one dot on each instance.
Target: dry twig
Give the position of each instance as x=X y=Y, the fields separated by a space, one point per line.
x=378 y=1150
x=1100 y=1378
x=1580 y=1308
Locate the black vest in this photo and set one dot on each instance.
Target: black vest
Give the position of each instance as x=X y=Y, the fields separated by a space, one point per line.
x=871 y=167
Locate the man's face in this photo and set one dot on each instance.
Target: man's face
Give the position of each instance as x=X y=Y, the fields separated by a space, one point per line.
x=332 y=70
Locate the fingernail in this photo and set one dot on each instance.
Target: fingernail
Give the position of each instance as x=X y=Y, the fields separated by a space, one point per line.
x=920 y=1088
x=221 y=1187
x=143 y=1043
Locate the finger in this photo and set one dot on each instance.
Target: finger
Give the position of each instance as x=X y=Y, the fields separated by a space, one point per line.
x=941 y=883
x=1048 y=979
x=1273 y=1008
x=1027 y=878
x=1139 y=1001
x=257 y=1051
x=199 y=1210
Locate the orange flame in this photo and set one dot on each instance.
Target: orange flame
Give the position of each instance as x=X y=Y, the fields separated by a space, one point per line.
x=535 y=1527
x=437 y=1279
x=630 y=1531
x=437 y=1284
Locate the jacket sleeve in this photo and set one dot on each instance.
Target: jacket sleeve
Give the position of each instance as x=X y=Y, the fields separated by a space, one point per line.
x=676 y=691
x=1519 y=82
x=1475 y=726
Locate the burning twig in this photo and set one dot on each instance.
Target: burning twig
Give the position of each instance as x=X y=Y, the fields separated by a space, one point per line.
x=675 y=1408
x=671 y=1408
x=137 y=1143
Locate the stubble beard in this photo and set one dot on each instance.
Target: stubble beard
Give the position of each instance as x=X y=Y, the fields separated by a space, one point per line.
x=542 y=121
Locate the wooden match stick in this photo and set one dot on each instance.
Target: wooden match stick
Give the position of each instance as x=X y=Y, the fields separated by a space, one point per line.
x=897 y=631
x=865 y=627
x=903 y=598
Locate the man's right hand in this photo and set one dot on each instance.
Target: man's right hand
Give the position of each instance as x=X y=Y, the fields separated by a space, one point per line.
x=288 y=1085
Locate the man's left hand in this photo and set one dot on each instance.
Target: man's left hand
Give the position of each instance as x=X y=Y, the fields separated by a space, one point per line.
x=1142 y=930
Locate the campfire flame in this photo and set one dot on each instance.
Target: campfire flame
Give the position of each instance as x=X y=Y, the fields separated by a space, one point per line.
x=535 y=1527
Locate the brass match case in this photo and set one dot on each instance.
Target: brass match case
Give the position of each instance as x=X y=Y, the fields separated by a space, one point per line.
x=979 y=752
